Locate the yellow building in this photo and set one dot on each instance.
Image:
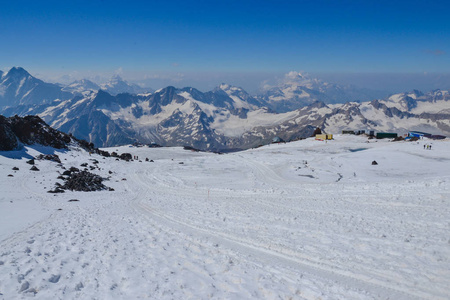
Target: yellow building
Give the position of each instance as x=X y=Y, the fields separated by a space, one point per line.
x=323 y=137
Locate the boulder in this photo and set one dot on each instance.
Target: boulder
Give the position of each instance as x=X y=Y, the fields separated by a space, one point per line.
x=125 y=156
x=50 y=157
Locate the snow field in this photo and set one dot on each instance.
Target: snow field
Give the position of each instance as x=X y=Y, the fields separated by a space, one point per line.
x=304 y=220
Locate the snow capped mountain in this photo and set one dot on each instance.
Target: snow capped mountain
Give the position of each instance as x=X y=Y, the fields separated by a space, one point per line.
x=297 y=90
x=216 y=121
x=18 y=87
x=169 y=117
x=240 y=97
x=117 y=86
x=80 y=86
x=418 y=102
x=227 y=117
x=376 y=115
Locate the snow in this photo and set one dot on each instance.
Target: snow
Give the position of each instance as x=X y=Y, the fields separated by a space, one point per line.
x=439 y=106
x=290 y=91
x=399 y=101
x=302 y=220
x=238 y=101
x=148 y=121
x=145 y=94
x=224 y=122
x=233 y=126
x=209 y=109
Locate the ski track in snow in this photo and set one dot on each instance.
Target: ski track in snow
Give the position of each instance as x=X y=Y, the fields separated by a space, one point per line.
x=305 y=220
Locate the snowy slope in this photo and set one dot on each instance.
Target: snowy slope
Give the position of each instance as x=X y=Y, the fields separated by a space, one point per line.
x=304 y=220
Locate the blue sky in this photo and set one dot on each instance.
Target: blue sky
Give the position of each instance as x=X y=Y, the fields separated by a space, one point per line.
x=184 y=39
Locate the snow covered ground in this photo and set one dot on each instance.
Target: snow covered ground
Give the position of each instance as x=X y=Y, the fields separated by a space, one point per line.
x=304 y=220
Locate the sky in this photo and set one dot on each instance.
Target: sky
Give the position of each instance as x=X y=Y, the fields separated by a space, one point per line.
x=241 y=42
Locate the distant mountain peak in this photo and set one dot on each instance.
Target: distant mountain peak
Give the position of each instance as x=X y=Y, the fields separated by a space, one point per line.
x=296 y=75
x=81 y=86
x=18 y=87
x=224 y=86
x=117 y=85
x=230 y=88
x=116 y=78
x=298 y=79
x=17 y=72
x=298 y=89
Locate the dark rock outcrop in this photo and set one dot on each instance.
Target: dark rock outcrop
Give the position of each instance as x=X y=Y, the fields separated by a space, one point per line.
x=8 y=140
x=83 y=181
x=33 y=130
x=50 y=157
x=16 y=131
x=29 y=130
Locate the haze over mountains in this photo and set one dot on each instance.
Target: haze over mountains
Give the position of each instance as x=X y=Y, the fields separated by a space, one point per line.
x=225 y=118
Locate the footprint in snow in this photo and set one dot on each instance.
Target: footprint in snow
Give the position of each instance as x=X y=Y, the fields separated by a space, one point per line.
x=24 y=287
x=54 y=278
x=79 y=286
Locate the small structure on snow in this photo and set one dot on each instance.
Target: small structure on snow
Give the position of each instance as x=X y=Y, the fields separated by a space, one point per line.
x=386 y=135
x=419 y=134
x=323 y=137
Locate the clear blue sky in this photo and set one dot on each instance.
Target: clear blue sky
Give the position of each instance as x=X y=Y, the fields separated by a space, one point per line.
x=152 y=37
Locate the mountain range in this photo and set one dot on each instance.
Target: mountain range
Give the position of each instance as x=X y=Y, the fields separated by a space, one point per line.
x=224 y=119
x=296 y=90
